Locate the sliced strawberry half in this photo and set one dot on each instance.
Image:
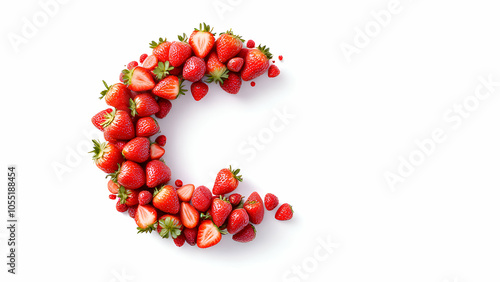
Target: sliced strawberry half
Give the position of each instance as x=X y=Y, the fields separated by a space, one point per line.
x=156 y=151
x=185 y=193
x=189 y=215
x=202 y=40
x=145 y=217
x=208 y=234
x=138 y=79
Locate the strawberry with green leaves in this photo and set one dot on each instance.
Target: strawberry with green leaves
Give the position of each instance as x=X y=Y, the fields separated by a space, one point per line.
x=216 y=70
x=118 y=125
x=137 y=149
x=227 y=181
x=228 y=45
x=157 y=173
x=143 y=105
x=145 y=218
x=238 y=219
x=130 y=197
x=220 y=210
x=99 y=118
x=116 y=95
x=202 y=40
x=256 y=63
x=232 y=83
x=208 y=234
x=107 y=156
x=255 y=208
x=169 y=226
x=166 y=200
x=162 y=70
x=179 y=51
x=160 y=49
x=284 y=212
x=138 y=79
x=130 y=175
x=169 y=88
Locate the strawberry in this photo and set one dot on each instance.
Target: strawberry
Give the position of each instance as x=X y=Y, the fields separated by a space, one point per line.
x=190 y=234
x=273 y=71
x=255 y=208
x=178 y=183
x=132 y=65
x=284 y=212
x=189 y=215
x=202 y=40
x=250 y=43
x=145 y=218
x=177 y=71
x=106 y=156
x=112 y=196
x=256 y=63
x=113 y=187
x=232 y=84
x=202 y=198
x=160 y=49
x=156 y=151
x=120 y=145
x=128 y=196
x=110 y=139
x=238 y=219
x=162 y=70
x=100 y=118
x=243 y=53
x=116 y=95
x=130 y=175
x=169 y=88
x=216 y=70
x=228 y=45
x=146 y=126
x=252 y=83
x=208 y=234
x=143 y=105
x=227 y=181
x=235 y=64
x=138 y=79
x=142 y=58
x=165 y=106
x=161 y=140
x=121 y=207
x=137 y=150
x=150 y=63
x=270 y=201
x=280 y=57
x=199 y=89
x=179 y=51
x=144 y=197
x=179 y=240
x=118 y=125
x=236 y=199
x=169 y=226
x=132 y=211
x=194 y=69
x=220 y=210
x=166 y=199
x=157 y=173
x=246 y=235
x=185 y=192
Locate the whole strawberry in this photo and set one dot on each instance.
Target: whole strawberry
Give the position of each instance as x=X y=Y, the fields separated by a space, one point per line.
x=220 y=210
x=235 y=64
x=256 y=63
x=157 y=173
x=137 y=149
x=144 y=105
x=166 y=200
x=118 y=125
x=169 y=226
x=227 y=181
x=202 y=40
x=238 y=219
x=284 y=212
x=116 y=95
x=160 y=49
x=99 y=118
x=216 y=70
x=246 y=235
x=228 y=45
x=273 y=71
x=165 y=106
x=144 y=197
x=130 y=197
x=199 y=89
x=235 y=199
x=107 y=156
x=232 y=83
x=201 y=199
x=146 y=126
x=130 y=175
x=179 y=51
x=270 y=201
x=190 y=234
x=255 y=208
x=194 y=69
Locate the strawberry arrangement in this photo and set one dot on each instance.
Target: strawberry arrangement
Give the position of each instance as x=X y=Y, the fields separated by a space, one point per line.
x=139 y=177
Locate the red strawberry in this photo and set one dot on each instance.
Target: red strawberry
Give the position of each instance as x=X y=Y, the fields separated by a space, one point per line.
x=132 y=211
x=202 y=40
x=145 y=217
x=156 y=151
x=235 y=199
x=177 y=71
x=228 y=45
x=128 y=196
x=246 y=235
x=178 y=183
x=243 y=53
x=116 y=95
x=179 y=240
x=146 y=126
x=202 y=198
x=169 y=88
x=256 y=63
x=284 y=212
x=238 y=219
x=162 y=70
x=121 y=207
x=208 y=234
x=144 y=105
x=138 y=79
x=226 y=181
x=280 y=57
x=106 y=156
x=142 y=58
x=132 y=65
x=137 y=150
x=169 y=226
x=250 y=43
x=157 y=173
x=112 y=196
x=273 y=71
x=190 y=234
x=113 y=187
x=166 y=199
x=185 y=192
x=235 y=64
x=118 y=125
x=120 y=145
x=252 y=83
x=144 y=197
x=255 y=208
x=216 y=70
x=189 y=215
x=161 y=140
x=270 y=201
x=160 y=49
x=232 y=84
x=220 y=210
x=194 y=69
x=150 y=62
x=100 y=118
x=130 y=175
x=165 y=106
x=179 y=51
x=199 y=89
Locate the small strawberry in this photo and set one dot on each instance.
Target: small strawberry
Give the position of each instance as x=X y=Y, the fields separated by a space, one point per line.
x=273 y=71
x=120 y=145
x=156 y=151
x=190 y=234
x=238 y=219
x=202 y=198
x=235 y=64
x=132 y=211
x=161 y=140
x=112 y=196
x=179 y=51
x=121 y=207
x=236 y=199
x=216 y=70
x=252 y=83
x=255 y=208
x=142 y=58
x=189 y=215
x=145 y=218
x=116 y=95
x=165 y=106
x=118 y=125
x=220 y=210
x=138 y=79
x=132 y=65
x=106 y=156
x=284 y=212
x=145 y=197
x=202 y=40
x=100 y=118
x=270 y=201
x=169 y=226
x=208 y=234
x=246 y=235
x=256 y=63
x=146 y=126
x=177 y=71
x=227 y=181
x=137 y=150
x=150 y=63
x=199 y=89
x=185 y=192
x=178 y=183
x=179 y=240
x=130 y=175
x=280 y=57
x=130 y=197
x=250 y=43
x=232 y=84
x=113 y=187
x=194 y=69
x=166 y=199
x=161 y=49
x=228 y=45
x=169 y=88
x=157 y=173
x=143 y=105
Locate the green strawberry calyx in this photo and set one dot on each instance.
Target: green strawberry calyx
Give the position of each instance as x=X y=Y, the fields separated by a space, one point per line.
x=108 y=118
x=205 y=28
x=218 y=76
x=100 y=148
x=114 y=175
x=235 y=174
x=132 y=107
x=105 y=91
x=169 y=227
x=162 y=70
x=230 y=32
x=127 y=76
x=147 y=229
x=155 y=44
x=182 y=38
x=265 y=51
x=123 y=194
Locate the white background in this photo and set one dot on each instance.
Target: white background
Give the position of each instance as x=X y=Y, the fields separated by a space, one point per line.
x=354 y=119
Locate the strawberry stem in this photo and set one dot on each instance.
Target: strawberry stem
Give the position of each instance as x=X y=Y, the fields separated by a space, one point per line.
x=235 y=174
x=105 y=91
x=153 y=44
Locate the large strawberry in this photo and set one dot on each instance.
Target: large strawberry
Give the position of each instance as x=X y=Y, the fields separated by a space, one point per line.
x=145 y=217
x=169 y=88
x=227 y=181
x=157 y=173
x=146 y=126
x=220 y=210
x=256 y=63
x=138 y=79
x=169 y=226
x=255 y=208
x=189 y=215
x=106 y=156
x=238 y=219
x=228 y=45
x=137 y=149
x=179 y=51
x=166 y=200
x=130 y=175
x=160 y=49
x=208 y=234
x=144 y=105
x=118 y=125
x=202 y=198
x=116 y=95
x=216 y=70
x=99 y=118
x=202 y=40
x=194 y=69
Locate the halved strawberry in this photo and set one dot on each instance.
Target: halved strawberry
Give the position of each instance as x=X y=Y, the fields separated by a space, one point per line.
x=113 y=187
x=145 y=217
x=138 y=79
x=185 y=192
x=160 y=49
x=202 y=40
x=150 y=63
x=169 y=88
x=189 y=215
x=169 y=226
x=208 y=234
x=156 y=151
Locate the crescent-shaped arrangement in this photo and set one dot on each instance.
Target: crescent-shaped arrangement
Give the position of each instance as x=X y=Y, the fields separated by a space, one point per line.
x=140 y=178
